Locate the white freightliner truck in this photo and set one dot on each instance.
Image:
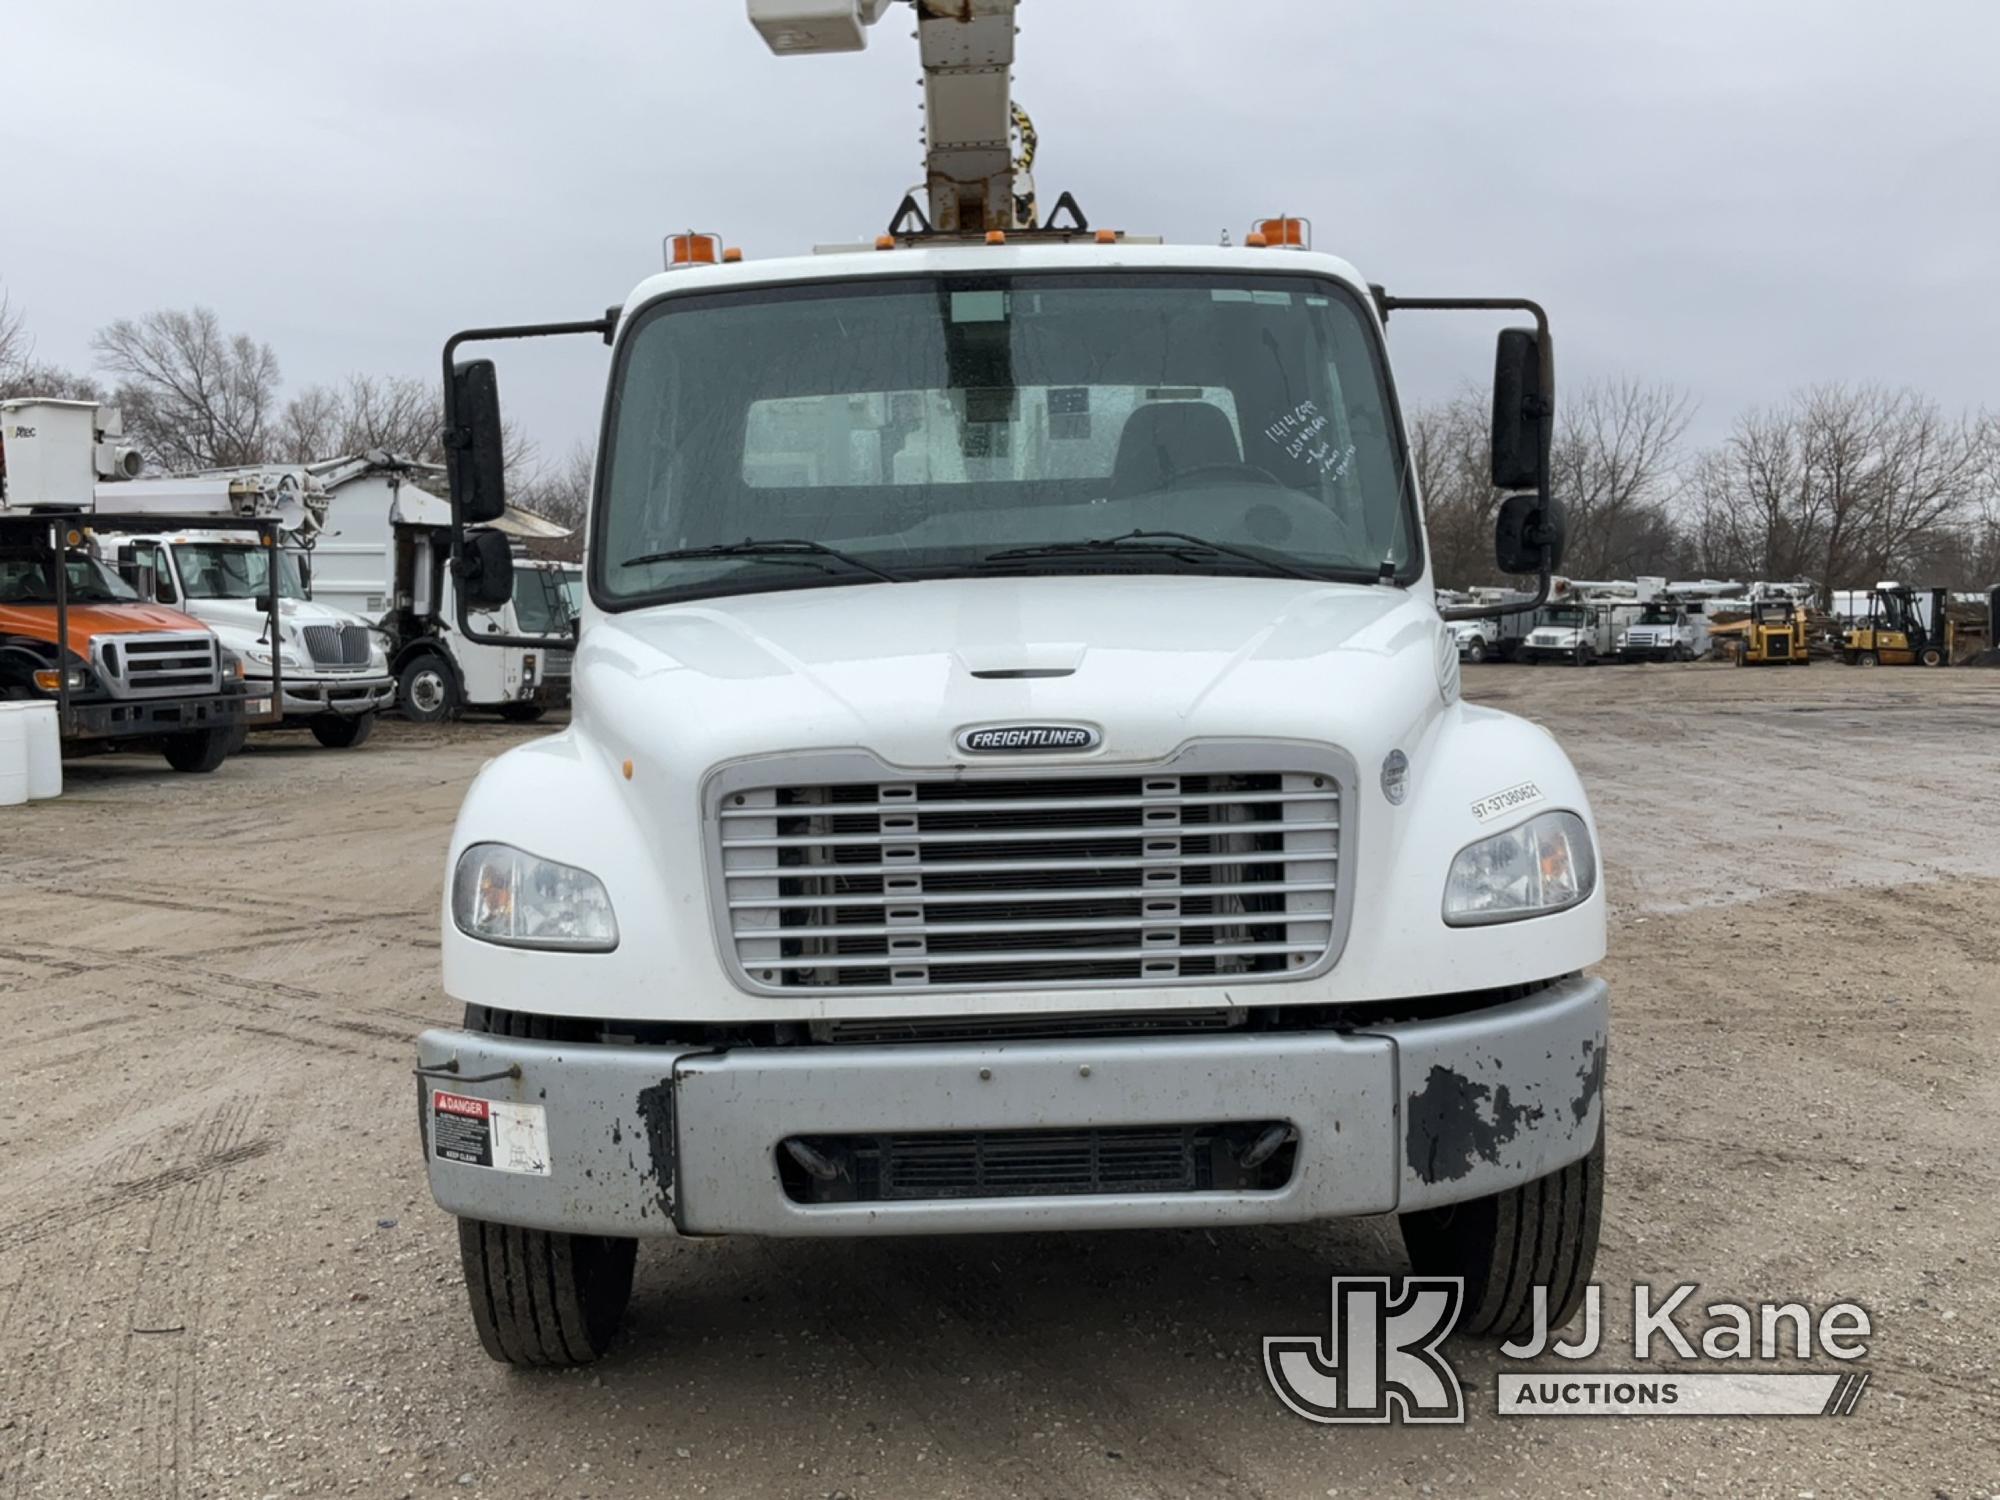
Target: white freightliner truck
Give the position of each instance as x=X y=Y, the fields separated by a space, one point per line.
x=382 y=555
x=1017 y=777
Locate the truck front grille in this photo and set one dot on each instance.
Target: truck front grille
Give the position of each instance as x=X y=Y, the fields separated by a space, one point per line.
x=336 y=645
x=556 y=666
x=1075 y=879
x=1252 y=1156
x=159 y=666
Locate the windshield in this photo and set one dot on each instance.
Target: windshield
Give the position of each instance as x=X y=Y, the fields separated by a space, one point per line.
x=27 y=577
x=922 y=424
x=1563 y=617
x=230 y=570
x=1657 y=617
x=539 y=607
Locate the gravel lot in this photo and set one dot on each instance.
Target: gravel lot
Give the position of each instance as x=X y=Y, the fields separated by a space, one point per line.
x=221 y=1273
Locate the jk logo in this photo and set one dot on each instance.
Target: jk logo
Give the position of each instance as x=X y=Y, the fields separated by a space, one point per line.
x=1379 y=1361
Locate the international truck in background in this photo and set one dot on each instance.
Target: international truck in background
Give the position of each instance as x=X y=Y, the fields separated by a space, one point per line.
x=1499 y=637
x=335 y=670
x=1017 y=776
x=383 y=554
x=125 y=673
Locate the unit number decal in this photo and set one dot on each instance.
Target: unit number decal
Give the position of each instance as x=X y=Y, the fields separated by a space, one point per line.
x=490 y=1133
x=1527 y=794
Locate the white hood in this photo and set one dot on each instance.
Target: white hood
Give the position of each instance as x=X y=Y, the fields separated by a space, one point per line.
x=1152 y=661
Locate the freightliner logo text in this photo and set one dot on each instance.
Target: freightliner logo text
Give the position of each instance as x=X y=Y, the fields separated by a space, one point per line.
x=1026 y=739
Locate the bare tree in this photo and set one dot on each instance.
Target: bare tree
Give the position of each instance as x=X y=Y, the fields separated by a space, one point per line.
x=1616 y=461
x=561 y=493
x=394 y=413
x=1450 y=450
x=193 y=397
x=1843 y=486
x=15 y=345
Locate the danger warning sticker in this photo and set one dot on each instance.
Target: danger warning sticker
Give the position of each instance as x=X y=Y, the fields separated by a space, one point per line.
x=490 y=1133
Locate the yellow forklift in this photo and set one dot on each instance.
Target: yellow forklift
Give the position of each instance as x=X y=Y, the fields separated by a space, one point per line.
x=1898 y=631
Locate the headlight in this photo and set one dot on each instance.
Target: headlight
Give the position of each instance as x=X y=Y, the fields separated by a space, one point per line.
x=500 y=894
x=1545 y=865
x=260 y=656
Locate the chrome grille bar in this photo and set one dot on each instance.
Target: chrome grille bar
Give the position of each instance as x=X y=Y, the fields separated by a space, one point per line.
x=1218 y=868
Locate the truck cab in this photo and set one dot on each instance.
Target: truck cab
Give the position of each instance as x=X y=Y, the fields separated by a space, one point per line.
x=334 y=669
x=140 y=676
x=1017 y=776
x=1579 y=632
x=1664 y=631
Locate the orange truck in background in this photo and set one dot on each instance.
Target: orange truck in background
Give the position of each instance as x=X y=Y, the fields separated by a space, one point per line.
x=126 y=674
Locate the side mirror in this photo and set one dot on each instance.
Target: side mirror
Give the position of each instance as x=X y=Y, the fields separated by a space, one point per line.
x=1525 y=526
x=263 y=603
x=1522 y=412
x=486 y=570
x=474 y=460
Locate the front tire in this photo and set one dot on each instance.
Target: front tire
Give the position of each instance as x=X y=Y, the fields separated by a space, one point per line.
x=1476 y=652
x=337 y=733
x=427 y=690
x=200 y=751
x=540 y=1298
x=1543 y=1233
x=1867 y=659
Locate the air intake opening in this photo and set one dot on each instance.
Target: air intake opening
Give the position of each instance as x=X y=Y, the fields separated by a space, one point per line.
x=1240 y=1156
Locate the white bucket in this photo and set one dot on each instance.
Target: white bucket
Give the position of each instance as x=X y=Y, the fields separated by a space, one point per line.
x=13 y=755
x=44 y=751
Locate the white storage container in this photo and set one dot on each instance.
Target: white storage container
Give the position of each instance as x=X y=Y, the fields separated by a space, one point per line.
x=13 y=754
x=44 y=751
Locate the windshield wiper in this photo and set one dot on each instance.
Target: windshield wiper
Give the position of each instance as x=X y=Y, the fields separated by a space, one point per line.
x=1156 y=542
x=796 y=548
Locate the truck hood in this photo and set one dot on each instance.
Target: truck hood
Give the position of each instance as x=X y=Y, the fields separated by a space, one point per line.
x=900 y=669
x=243 y=614
x=88 y=621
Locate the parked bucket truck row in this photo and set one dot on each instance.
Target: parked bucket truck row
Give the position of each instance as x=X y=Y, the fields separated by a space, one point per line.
x=180 y=613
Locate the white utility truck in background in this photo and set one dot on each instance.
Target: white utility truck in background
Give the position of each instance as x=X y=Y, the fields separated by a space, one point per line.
x=1017 y=777
x=382 y=555
x=333 y=665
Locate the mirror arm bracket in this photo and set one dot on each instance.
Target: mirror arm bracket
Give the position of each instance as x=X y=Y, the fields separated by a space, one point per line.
x=455 y=437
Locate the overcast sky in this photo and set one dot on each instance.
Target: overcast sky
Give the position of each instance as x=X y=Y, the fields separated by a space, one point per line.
x=1738 y=196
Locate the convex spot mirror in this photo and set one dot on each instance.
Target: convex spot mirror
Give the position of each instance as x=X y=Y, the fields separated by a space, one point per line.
x=1526 y=524
x=486 y=570
x=1522 y=412
x=474 y=458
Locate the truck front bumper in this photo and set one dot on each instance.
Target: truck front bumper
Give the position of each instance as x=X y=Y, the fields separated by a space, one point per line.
x=658 y=1140
x=141 y=718
x=344 y=697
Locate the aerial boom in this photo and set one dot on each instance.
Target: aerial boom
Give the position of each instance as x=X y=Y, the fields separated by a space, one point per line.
x=972 y=180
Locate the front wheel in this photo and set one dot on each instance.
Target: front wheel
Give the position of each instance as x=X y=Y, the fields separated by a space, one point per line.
x=1867 y=659
x=201 y=750
x=1476 y=652
x=1585 y=656
x=1541 y=1234
x=337 y=733
x=540 y=1298
x=426 y=690
x=1932 y=657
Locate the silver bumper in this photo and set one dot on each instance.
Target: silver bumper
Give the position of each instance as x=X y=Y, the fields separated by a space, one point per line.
x=660 y=1140
x=346 y=697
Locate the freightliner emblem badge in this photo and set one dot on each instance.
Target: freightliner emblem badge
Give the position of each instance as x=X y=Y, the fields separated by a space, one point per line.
x=1028 y=739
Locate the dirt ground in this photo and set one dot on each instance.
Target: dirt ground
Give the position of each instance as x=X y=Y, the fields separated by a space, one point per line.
x=221 y=1273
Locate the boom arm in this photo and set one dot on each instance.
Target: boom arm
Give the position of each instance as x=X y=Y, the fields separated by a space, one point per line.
x=967 y=50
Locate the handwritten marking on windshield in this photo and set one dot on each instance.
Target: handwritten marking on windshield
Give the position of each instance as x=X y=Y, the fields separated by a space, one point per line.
x=1301 y=433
